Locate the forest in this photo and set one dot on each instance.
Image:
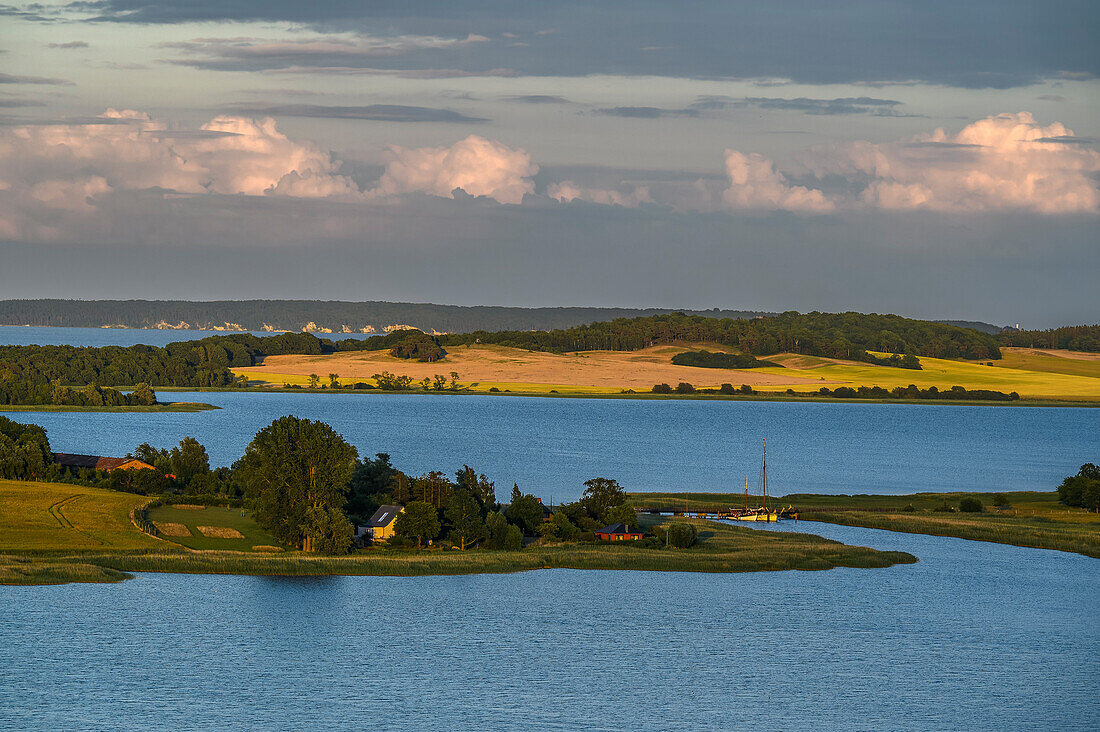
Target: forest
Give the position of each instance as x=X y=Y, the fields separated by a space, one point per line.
x=207 y=362
x=1070 y=337
x=833 y=335
x=307 y=486
x=297 y=315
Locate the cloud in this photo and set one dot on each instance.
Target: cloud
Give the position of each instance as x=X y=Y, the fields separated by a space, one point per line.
x=756 y=183
x=14 y=79
x=376 y=112
x=538 y=99
x=976 y=44
x=347 y=51
x=840 y=105
x=69 y=45
x=59 y=176
x=646 y=112
x=478 y=166
x=49 y=168
x=567 y=191
x=1051 y=98
x=1002 y=162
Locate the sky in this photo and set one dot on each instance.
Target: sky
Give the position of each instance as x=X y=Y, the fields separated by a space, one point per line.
x=932 y=159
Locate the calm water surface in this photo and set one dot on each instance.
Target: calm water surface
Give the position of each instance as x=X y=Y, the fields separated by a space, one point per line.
x=975 y=636
x=551 y=446
x=12 y=335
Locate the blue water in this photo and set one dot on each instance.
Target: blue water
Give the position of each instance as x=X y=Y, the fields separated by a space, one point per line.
x=976 y=637
x=12 y=335
x=551 y=446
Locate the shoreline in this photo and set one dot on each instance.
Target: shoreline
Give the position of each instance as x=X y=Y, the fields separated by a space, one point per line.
x=646 y=396
x=162 y=407
x=1034 y=520
x=720 y=549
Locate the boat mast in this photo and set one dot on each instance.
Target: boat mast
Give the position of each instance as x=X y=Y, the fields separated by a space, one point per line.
x=765 y=473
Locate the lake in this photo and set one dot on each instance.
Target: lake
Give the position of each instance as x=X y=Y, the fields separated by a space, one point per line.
x=15 y=335
x=550 y=446
x=975 y=636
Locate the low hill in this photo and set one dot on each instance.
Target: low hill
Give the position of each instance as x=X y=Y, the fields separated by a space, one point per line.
x=318 y=316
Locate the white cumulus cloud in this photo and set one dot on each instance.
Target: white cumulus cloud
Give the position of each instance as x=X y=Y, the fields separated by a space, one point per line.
x=478 y=166
x=1002 y=162
x=54 y=176
x=756 y=183
x=567 y=191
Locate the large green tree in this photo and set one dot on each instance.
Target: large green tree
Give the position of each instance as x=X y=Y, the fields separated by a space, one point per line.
x=600 y=496
x=370 y=486
x=290 y=467
x=525 y=511
x=463 y=513
x=189 y=460
x=418 y=521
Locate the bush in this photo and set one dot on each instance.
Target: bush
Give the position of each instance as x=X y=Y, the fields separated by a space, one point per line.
x=680 y=535
x=727 y=389
x=909 y=508
x=1000 y=500
x=944 y=507
x=662 y=389
x=970 y=505
x=685 y=388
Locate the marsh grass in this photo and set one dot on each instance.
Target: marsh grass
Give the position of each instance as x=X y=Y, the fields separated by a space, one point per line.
x=1033 y=519
x=720 y=549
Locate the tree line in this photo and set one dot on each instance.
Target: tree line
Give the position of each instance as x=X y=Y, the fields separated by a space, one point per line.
x=832 y=335
x=21 y=391
x=207 y=362
x=1070 y=337
x=307 y=486
x=297 y=315
x=1082 y=489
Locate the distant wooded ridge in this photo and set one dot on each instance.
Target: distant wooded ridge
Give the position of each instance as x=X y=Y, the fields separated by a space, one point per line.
x=208 y=362
x=323 y=316
x=319 y=316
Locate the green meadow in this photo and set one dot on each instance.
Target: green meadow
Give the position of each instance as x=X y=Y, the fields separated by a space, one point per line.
x=1031 y=519
x=53 y=533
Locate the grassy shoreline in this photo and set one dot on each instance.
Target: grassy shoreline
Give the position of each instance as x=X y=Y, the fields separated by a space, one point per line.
x=161 y=407
x=56 y=532
x=722 y=549
x=1034 y=519
x=760 y=397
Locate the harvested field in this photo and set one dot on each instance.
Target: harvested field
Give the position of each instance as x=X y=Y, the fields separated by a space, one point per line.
x=219 y=532
x=1033 y=376
x=169 y=528
x=502 y=365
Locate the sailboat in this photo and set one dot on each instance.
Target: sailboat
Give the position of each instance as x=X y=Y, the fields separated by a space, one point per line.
x=763 y=513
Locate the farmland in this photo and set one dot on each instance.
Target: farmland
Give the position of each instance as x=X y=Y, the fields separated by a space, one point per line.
x=55 y=533
x=1038 y=377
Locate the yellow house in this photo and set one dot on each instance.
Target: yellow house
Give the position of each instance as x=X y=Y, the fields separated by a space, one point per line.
x=381 y=523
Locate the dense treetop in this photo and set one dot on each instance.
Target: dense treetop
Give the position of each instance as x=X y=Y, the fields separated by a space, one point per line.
x=834 y=335
x=206 y=362
x=1071 y=337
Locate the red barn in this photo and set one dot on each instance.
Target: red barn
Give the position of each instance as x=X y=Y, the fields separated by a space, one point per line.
x=618 y=532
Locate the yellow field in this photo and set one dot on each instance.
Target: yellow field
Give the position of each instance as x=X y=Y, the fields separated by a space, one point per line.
x=1034 y=375
x=944 y=373
x=57 y=516
x=515 y=369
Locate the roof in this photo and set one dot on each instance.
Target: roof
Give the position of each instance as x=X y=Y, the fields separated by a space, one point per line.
x=619 y=528
x=384 y=516
x=96 y=462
